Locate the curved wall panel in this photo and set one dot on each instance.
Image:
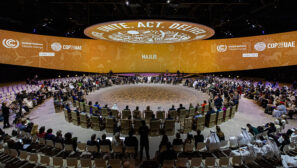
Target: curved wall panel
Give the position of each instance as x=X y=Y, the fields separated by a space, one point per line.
x=190 y=57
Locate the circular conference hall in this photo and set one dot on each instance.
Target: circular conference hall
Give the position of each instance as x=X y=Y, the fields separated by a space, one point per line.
x=148 y=83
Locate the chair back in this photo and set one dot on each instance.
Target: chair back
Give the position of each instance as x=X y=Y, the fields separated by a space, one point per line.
x=196 y=162
x=172 y=113
x=210 y=161
x=68 y=147
x=44 y=160
x=86 y=163
x=105 y=148
x=189 y=147
x=71 y=162
x=161 y=115
x=99 y=163
x=81 y=146
x=126 y=114
x=92 y=149
x=104 y=112
x=58 y=145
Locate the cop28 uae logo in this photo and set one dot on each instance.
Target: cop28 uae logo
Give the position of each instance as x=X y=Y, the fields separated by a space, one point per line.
x=260 y=46
x=56 y=46
x=149 y=31
x=10 y=43
x=222 y=48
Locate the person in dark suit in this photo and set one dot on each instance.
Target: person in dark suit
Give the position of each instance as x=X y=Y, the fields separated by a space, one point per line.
x=198 y=138
x=131 y=141
x=49 y=135
x=177 y=140
x=105 y=141
x=5 y=112
x=144 y=141
x=93 y=141
x=172 y=108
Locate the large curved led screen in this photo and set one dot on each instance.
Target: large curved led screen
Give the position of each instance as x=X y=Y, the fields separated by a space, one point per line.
x=190 y=57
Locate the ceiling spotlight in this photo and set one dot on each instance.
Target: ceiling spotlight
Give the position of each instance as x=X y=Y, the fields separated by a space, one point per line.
x=168 y=1
x=127 y=2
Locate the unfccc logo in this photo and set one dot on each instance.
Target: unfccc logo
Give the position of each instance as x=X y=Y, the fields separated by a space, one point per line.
x=10 y=43
x=222 y=48
x=260 y=46
x=56 y=46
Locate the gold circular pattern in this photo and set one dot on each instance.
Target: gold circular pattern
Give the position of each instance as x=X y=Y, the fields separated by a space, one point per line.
x=149 y=31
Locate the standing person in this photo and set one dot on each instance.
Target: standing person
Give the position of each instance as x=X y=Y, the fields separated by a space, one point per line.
x=5 y=112
x=144 y=141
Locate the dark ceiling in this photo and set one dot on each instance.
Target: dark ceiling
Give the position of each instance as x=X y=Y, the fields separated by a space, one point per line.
x=229 y=18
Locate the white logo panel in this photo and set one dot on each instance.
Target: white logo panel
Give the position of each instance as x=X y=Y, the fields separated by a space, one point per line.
x=10 y=43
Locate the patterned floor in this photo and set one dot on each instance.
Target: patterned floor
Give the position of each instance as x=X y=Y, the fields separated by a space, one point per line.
x=248 y=111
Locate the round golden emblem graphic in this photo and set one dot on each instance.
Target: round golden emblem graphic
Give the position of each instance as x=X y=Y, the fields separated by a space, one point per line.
x=149 y=31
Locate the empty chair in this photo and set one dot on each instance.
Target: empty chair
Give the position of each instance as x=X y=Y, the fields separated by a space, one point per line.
x=224 y=145
x=224 y=162
x=196 y=162
x=67 y=115
x=87 y=108
x=41 y=141
x=109 y=125
x=104 y=112
x=71 y=162
x=125 y=126
x=23 y=155
x=137 y=125
x=169 y=127
x=86 y=163
x=57 y=162
x=201 y=147
x=33 y=158
x=227 y=115
x=181 y=162
x=168 y=164
x=44 y=160
x=191 y=112
x=236 y=161
x=82 y=106
x=155 y=128
x=99 y=163
x=81 y=146
x=188 y=125
x=75 y=118
x=200 y=123
x=188 y=147
x=84 y=120
x=232 y=111
x=95 y=123
x=210 y=162
x=13 y=153
x=115 y=163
